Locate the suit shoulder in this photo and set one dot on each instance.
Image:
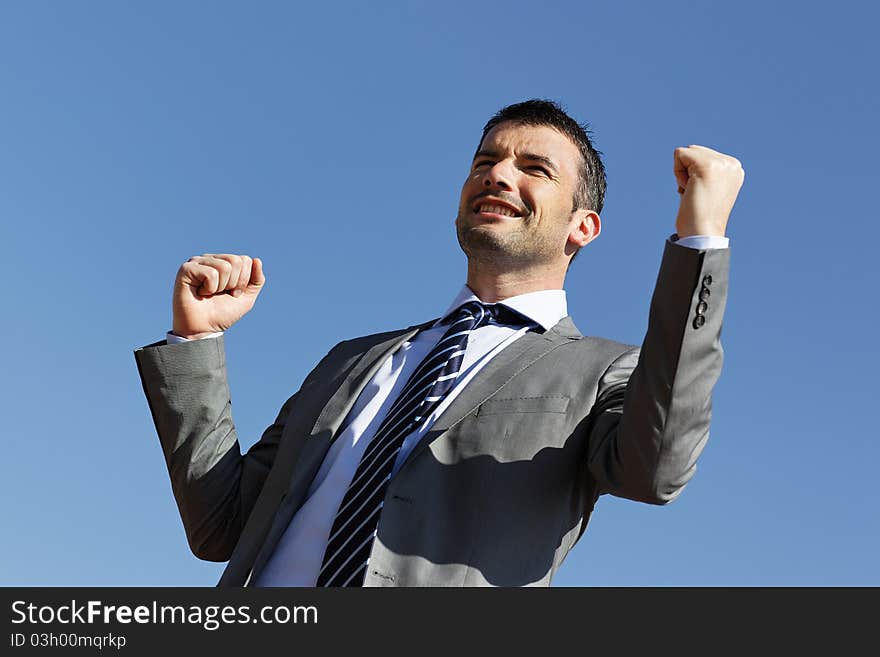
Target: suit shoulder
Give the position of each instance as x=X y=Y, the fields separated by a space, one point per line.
x=589 y=345
x=597 y=345
x=591 y=356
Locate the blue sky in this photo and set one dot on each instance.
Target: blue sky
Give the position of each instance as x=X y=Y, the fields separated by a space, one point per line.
x=331 y=141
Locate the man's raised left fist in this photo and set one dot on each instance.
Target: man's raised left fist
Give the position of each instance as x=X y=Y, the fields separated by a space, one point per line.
x=708 y=182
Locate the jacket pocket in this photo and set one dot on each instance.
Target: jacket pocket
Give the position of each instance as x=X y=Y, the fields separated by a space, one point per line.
x=546 y=404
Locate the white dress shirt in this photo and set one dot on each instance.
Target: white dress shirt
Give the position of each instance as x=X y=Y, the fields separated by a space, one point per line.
x=300 y=550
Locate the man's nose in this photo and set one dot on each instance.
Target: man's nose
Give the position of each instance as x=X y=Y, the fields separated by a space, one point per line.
x=499 y=175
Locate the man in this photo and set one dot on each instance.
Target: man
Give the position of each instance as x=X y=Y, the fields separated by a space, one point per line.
x=468 y=450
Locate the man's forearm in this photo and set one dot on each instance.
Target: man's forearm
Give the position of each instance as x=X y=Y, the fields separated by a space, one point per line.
x=654 y=405
x=188 y=395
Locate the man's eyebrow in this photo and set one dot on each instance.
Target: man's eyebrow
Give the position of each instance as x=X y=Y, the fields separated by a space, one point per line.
x=484 y=153
x=534 y=157
x=546 y=161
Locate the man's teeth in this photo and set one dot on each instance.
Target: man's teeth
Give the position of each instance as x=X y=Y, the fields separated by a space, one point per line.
x=498 y=209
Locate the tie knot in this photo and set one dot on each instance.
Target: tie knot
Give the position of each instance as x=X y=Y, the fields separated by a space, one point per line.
x=484 y=312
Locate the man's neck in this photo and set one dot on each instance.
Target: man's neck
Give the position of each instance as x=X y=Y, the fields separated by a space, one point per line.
x=492 y=286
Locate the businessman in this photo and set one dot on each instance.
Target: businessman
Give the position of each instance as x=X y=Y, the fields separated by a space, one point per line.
x=469 y=449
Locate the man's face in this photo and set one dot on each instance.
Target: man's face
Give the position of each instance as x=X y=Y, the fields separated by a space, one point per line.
x=516 y=203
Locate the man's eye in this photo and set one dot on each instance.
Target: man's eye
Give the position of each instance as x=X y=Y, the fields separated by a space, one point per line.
x=482 y=163
x=539 y=168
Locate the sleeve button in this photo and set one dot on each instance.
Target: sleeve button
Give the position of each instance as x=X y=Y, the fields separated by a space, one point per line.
x=707 y=280
x=699 y=320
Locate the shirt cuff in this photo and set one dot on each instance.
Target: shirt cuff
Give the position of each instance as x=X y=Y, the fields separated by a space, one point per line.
x=170 y=338
x=701 y=242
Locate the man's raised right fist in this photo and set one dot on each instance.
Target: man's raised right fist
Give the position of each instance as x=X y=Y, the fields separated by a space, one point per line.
x=213 y=291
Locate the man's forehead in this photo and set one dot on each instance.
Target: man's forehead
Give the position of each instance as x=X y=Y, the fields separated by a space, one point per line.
x=539 y=139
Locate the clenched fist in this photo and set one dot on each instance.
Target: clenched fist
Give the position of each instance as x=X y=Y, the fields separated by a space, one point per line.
x=213 y=291
x=708 y=182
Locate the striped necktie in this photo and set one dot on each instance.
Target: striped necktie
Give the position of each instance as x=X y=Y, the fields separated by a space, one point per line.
x=357 y=520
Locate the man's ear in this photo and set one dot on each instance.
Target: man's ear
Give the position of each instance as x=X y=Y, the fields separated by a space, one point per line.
x=585 y=227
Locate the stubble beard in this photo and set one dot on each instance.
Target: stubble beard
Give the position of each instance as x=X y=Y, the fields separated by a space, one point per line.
x=507 y=249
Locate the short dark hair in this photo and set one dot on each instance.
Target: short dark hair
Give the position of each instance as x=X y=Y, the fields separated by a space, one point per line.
x=590 y=191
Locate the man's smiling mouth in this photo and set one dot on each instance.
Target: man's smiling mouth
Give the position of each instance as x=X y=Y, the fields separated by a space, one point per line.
x=496 y=207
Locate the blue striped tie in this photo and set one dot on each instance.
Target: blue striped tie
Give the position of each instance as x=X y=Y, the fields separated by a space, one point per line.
x=357 y=521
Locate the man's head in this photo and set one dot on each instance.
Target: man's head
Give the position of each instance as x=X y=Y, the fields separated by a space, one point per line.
x=534 y=191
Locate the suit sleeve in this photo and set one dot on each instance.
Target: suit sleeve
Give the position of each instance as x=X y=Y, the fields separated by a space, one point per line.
x=654 y=403
x=214 y=485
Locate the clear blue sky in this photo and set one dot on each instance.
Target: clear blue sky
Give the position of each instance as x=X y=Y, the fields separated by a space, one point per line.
x=331 y=140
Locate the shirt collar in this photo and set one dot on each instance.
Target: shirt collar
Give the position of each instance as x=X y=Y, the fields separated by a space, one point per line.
x=544 y=307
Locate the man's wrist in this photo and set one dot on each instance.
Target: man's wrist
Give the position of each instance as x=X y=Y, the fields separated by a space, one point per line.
x=701 y=242
x=172 y=338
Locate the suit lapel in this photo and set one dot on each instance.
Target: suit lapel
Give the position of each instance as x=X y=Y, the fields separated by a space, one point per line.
x=345 y=396
x=342 y=400
x=515 y=358
x=512 y=360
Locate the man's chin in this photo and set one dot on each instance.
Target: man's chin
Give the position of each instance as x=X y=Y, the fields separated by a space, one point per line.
x=483 y=242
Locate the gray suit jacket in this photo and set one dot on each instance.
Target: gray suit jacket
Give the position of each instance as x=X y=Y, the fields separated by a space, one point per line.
x=503 y=485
